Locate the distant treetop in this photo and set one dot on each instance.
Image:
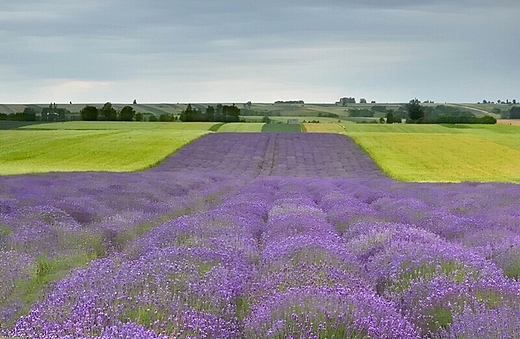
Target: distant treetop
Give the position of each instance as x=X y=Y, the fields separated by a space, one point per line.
x=290 y=102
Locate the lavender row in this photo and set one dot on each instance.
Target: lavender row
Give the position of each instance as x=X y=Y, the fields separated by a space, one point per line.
x=273 y=154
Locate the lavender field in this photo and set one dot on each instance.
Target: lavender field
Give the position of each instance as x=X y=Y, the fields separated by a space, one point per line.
x=242 y=235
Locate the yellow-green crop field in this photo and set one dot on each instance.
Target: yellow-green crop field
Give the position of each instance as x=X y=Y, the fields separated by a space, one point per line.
x=241 y=127
x=433 y=153
x=39 y=151
x=324 y=128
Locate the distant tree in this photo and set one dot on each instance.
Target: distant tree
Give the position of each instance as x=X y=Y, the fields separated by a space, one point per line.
x=135 y=102
x=231 y=113
x=362 y=101
x=484 y=101
x=373 y=102
x=389 y=118
x=344 y=101
x=29 y=114
x=514 y=112
x=514 y=101
x=415 y=110
x=89 y=113
x=153 y=118
x=166 y=117
x=210 y=113
x=139 y=116
x=188 y=114
x=218 y=113
x=127 y=114
x=108 y=112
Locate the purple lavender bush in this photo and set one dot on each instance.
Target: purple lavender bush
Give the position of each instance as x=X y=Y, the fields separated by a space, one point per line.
x=257 y=236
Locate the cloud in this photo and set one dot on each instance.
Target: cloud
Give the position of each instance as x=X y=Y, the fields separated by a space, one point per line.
x=347 y=46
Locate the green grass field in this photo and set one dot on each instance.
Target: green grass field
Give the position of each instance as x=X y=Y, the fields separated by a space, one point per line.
x=432 y=153
x=39 y=151
x=241 y=127
x=117 y=125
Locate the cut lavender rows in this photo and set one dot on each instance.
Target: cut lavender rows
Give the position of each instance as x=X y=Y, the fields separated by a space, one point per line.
x=257 y=236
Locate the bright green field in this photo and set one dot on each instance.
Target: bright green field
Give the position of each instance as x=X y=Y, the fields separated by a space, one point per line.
x=38 y=151
x=241 y=127
x=117 y=125
x=429 y=153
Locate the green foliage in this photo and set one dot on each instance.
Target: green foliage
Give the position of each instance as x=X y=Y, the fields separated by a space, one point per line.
x=167 y=118
x=389 y=118
x=188 y=115
x=127 y=114
x=139 y=116
x=514 y=112
x=53 y=113
x=29 y=114
x=43 y=266
x=223 y=113
x=415 y=110
x=447 y=119
x=328 y=115
x=108 y=112
x=89 y=113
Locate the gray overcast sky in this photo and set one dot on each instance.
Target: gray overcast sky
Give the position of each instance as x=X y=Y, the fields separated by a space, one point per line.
x=258 y=50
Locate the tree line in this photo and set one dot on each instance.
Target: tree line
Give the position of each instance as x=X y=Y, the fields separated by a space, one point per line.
x=50 y=113
x=222 y=113
x=109 y=113
x=442 y=115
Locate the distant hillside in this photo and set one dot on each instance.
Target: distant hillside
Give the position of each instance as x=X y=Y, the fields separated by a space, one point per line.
x=254 y=111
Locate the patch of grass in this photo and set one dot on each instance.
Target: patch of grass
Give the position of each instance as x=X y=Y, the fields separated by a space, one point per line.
x=241 y=127
x=120 y=125
x=282 y=128
x=46 y=271
x=16 y=124
x=398 y=128
x=29 y=151
x=216 y=127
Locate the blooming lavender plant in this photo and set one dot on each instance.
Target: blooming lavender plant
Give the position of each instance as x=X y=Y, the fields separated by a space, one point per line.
x=256 y=235
x=323 y=312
